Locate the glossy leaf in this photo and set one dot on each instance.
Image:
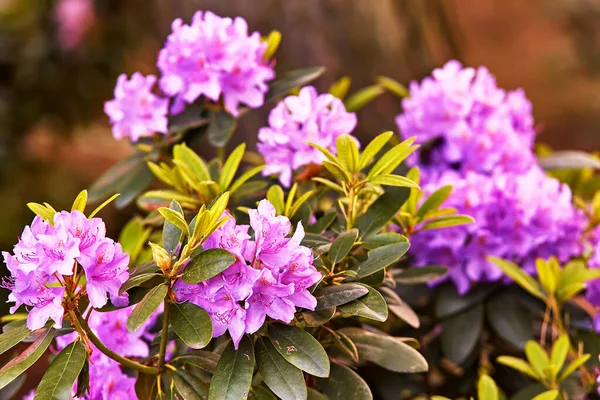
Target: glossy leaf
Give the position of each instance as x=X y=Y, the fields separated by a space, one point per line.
x=233 y=376
x=399 y=307
x=146 y=386
x=189 y=386
x=373 y=148
x=342 y=246
x=372 y=306
x=300 y=349
x=344 y=384
x=460 y=334
x=171 y=234
x=13 y=337
x=137 y=280
x=382 y=239
x=419 y=275
x=192 y=324
x=80 y=201
x=381 y=257
x=449 y=302
x=175 y=217
x=23 y=361
x=57 y=382
x=142 y=310
x=207 y=264
x=285 y=380
x=386 y=351
x=202 y=359
x=381 y=211
x=318 y=317
x=336 y=295
x=221 y=128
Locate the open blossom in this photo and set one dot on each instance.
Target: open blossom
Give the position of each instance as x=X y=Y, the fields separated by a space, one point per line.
x=297 y=120
x=271 y=276
x=135 y=111
x=214 y=56
x=471 y=123
x=46 y=254
x=519 y=217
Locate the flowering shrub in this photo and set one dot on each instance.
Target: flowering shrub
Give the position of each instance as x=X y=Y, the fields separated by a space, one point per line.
x=404 y=267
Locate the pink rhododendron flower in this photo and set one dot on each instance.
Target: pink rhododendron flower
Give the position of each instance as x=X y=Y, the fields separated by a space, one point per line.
x=74 y=18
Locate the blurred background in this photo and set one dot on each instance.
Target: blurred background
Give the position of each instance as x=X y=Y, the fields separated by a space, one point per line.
x=59 y=61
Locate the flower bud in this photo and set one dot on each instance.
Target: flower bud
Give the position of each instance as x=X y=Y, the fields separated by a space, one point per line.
x=161 y=257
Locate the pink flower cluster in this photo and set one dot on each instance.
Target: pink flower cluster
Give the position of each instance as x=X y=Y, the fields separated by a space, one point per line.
x=297 y=120
x=212 y=57
x=271 y=276
x=46 y=254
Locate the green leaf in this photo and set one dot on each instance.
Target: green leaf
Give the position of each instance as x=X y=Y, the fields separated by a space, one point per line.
x=381 y=257
x=393 y=180
x=372 y=306
x=192 y=160
x=42 y=211
x=347 y=152
x=318 y=317
x=559 y=351
x=26 y=359
x=104 y=204
x=285 y=380
x=189 y=386
x=449 y=302
x=386 y=351
x=392 y=158
x=568 y=292
x=192 y=324
x=142 y=310
x=326 y=153
x=546 y=276
x=529 y=392
x=137 y=280
x=260 y=393
x=239 y=182
x=146 y=386
x=13 y=337
x=83 y=380
x=569 y=159
x=133 y=184
x=537 y=357
x=340 y=87
x=111 y=181
x=276 y=196
x=373 y=148
x=419 y=275
x=221 y=128
x=548 y=395
x=337 y=171
x=434 y=201
x=393 y=86
x=273 y=41
x=202 y=359
x=344 y=384
x=399 y=308
x=175 y=217
x=509 y=319
x=57 y=382
x=291 y=80
x=233 y=376
x=460 y=334
x=300 y=349
x=133 y=236
x=313 y=394
x=345 y=345
x=331 y=185
x=336 y=295
x=207 y=264
x=342 y=246
x=80 y=201
x=231 y=166
x=487 y=389
x=515 y=272
x=574 y=365
x=447 y=222
x=10 y=390
x=171 y=234
x=381 y=211
x=361 y=98
x=519 y=365
x=381 y=239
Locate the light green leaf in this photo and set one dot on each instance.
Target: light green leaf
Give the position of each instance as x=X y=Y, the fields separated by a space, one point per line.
x=285 y=380
x=546 y=276
x=276 y=196
x=331 y=185
x=192 y=324
x=42 y=211
x=80 y=201
x=347 y=152
x=447 y=222
x=537 y=357
x=373 y=148
x=519 y=365
x=361 y=98
x=193 y=161
x=245 y=177
x=233 y=376
x=337 y=171
x=340 y=87
x=487 y=389
x=560 y=349
x=393 y=180
x=231 y=166
x=574 y=365
x=390 y=160
x=207 y=264
x=433 y=202
x=393 y=86
x=142 y=310
x=176 y=218
x=548 y=395
x=515 y=272
x=57 y=382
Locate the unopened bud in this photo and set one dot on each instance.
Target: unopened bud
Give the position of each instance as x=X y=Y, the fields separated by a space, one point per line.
x=161 y=257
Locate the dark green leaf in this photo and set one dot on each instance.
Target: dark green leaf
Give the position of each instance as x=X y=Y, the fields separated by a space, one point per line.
x=386 y=351
x=460 y=334
x=13 y=337
x=315 y=395
x=373 y=241
x=192 y=324
x=322 y=223
x=190 y=118
x=261 y=393
x=137 y=280
x=232 y=378
x=83 y=380
x=146 y=386
x=171 y=234
x=344 y=384
x=199 y=358
x=293 y=79
x=342 y=246
x=300 y=348
x=207 y=264
x=316 y=242
x=450 y=302
x=372 y=306
x=18 y=365
x=335 y=295
x=382 y=211
x=10 y=390
x=112 y=180
x=381 y=257
x=345 y=345
x=133 y=185
x=529 y=392
x=285 y=380
x=399 y=308
x=136 y=294
x=57 y=382
x=142 y=310
x=189 y=386
x=221 y=128
x=569 y=159
x=318 y=317
x=418 y=275
x=510 y=320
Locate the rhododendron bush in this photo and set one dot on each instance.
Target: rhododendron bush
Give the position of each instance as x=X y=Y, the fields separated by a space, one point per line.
x=450 y=256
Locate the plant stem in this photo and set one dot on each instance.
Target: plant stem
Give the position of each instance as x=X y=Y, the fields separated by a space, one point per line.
x=126 y=362
x=164 y=336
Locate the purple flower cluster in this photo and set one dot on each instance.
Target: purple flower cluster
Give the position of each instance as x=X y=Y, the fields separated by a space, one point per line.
x=271 y=276
x=519 y=217
x=296 y=120
x=46 y=254
x=212 y=57
x=468 y=121
x=478 y=138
